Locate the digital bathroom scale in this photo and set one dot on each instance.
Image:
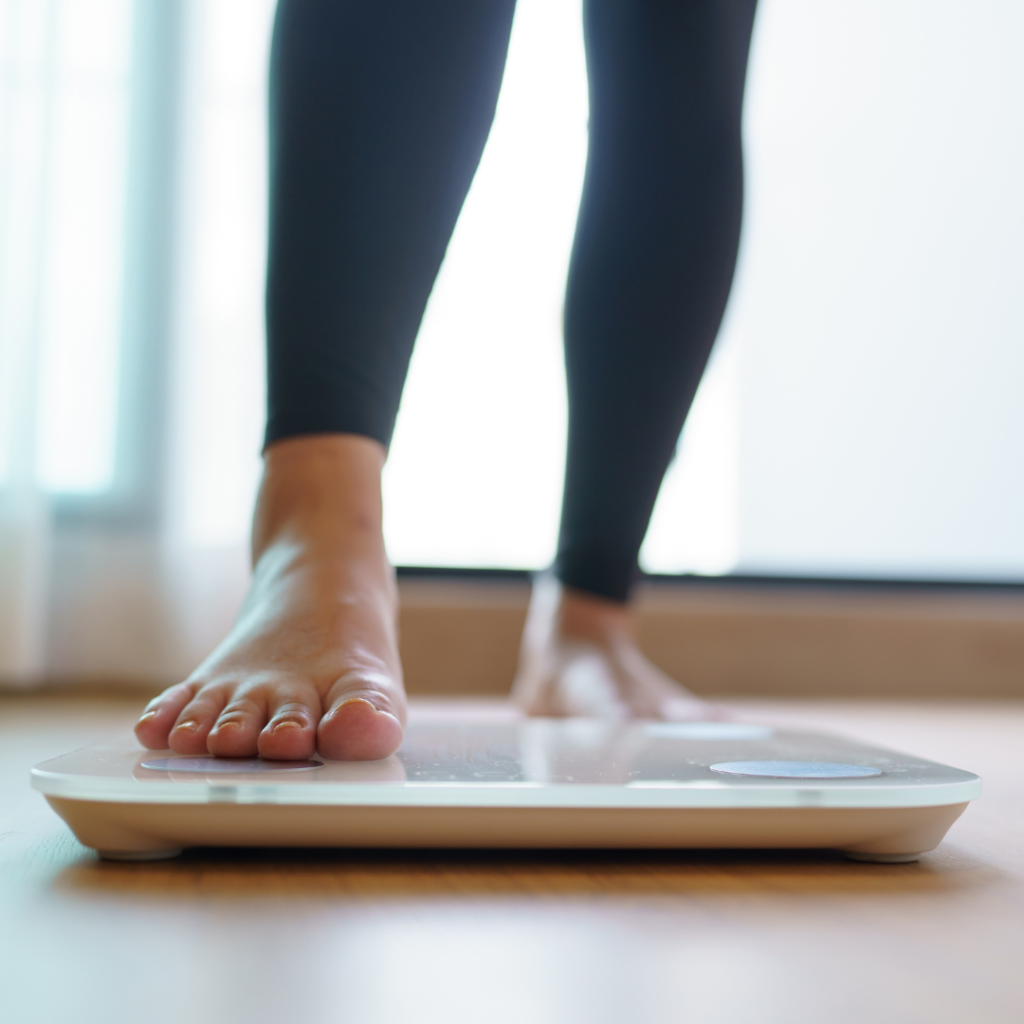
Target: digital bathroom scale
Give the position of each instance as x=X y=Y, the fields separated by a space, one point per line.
x=460 y=781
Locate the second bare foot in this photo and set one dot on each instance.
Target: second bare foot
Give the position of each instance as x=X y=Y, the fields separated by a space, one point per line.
x=579 y=657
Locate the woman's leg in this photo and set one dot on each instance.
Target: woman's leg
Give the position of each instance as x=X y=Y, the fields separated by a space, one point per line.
x=379 y=114
x=651 y=270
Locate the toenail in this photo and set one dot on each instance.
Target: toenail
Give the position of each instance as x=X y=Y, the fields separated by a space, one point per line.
x=286 y=723
x=229 y=724
x=189 y=725
x=147 y=716
x=356 y=700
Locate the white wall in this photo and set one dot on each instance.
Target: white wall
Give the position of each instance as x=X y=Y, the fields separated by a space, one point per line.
x=880 y=310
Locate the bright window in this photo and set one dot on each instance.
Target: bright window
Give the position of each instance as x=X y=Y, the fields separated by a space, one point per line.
x=64 y=113
x=864 y=412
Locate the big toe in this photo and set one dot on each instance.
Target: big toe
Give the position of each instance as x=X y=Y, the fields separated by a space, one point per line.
x=363 y=723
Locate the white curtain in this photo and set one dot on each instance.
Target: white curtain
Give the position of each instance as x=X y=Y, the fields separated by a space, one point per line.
x=90 y=589
x=26 y=101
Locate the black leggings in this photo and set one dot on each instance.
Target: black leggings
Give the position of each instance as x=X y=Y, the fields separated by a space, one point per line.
x=379 y=114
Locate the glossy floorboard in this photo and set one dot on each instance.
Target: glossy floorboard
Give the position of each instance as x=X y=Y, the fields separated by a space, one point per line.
x=371 y=937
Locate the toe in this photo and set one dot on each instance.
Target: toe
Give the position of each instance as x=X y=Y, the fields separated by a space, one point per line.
x=290 y=735
x=364 y=720
x=196 y=720
x=235 y=732
x=154 y=725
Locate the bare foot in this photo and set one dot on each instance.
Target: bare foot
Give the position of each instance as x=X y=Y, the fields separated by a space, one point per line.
x=312 y=662
x=579 y=657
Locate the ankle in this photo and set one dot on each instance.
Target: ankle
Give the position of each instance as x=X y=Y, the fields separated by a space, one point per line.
x=322 y=490
x=588 y=618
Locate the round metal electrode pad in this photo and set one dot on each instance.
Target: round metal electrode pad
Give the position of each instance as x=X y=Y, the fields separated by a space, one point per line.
x=796 y=769
x=226 y=765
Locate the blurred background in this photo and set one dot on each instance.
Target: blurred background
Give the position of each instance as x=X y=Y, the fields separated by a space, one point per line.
x=861 y=420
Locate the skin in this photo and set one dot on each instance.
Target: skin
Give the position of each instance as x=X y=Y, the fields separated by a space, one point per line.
x=312 y=663
x=579 y=656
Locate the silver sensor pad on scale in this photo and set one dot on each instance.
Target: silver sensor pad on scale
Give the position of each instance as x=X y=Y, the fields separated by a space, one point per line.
x=226 y=765
x=796 y=769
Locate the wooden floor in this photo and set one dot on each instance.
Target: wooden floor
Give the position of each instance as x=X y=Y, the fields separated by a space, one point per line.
x=433 y=937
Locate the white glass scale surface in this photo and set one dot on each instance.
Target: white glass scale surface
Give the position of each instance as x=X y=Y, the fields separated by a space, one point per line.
x=461 y=780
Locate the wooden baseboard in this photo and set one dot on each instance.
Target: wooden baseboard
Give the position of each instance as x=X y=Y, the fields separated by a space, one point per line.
x=761 y=640
x=461 y=637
